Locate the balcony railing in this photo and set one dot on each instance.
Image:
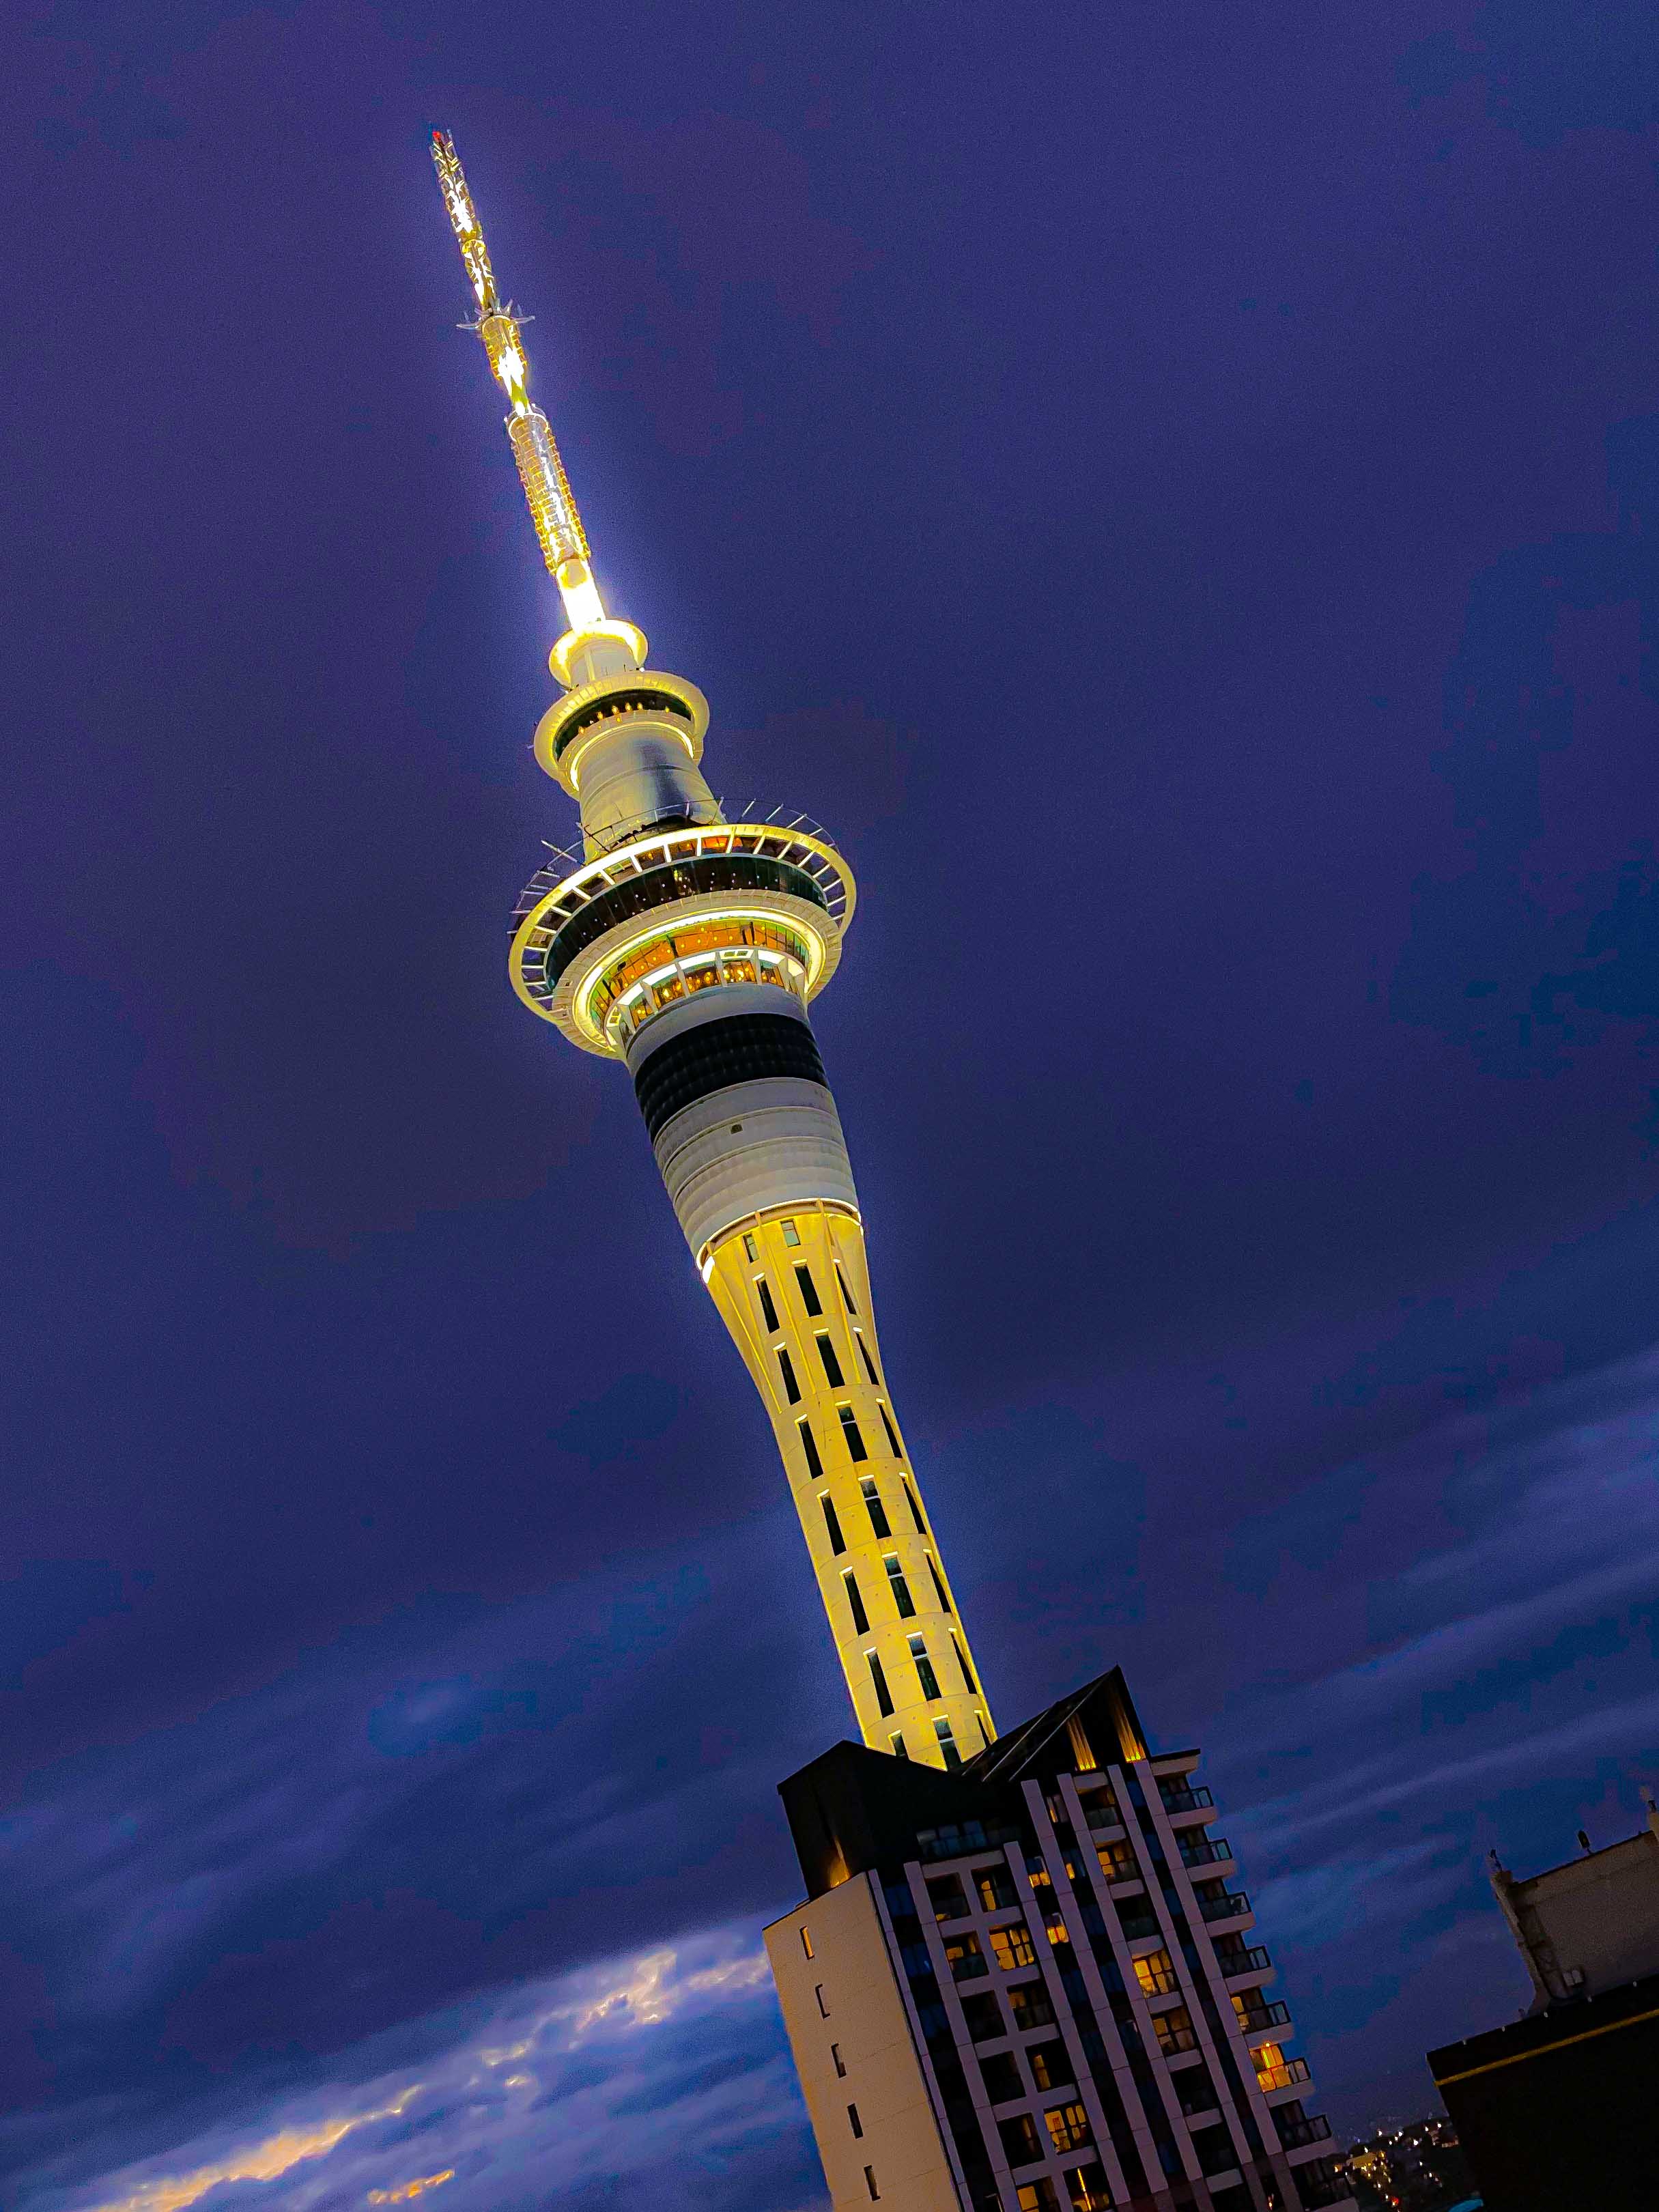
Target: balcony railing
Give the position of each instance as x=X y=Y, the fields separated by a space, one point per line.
x=1293 y=2133
x=1226 y=1907
x=1249 y=1961
x=1206 y=1853
x=1186 y=1801
x=1282 y=2076
x=1264 y=2015
x=1173 y=2040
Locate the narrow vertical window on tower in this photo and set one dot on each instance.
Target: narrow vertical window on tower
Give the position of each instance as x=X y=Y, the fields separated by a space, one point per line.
x=914 y=1504
x=808 y=1289
x=846 y=1295
x=965 y=1670
x=947 y=1742
x=900 y=1587
x=749 y=1251
x=809 y=1444
x=892 y=1436
x=897 y=1746
x=874 y=1508
x=864 y=1354
x=831 y=1364
x=877 y=1676
x=849 y=1429
x=790 y=1234
x=856 y=1603
x=837 y=1541
x=924 y=1674
x=764 y=1292
x=787 y=1369
x=938 y=1586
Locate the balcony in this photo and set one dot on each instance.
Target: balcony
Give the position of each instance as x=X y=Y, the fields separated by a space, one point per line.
x=1255 y=1959
x=1231 y=1906
x=1256 y=2017
x=1172 y=2041
x=1206 y=1853
x=1295 y=2135
x=1284 y=2075
x=1186 y=1801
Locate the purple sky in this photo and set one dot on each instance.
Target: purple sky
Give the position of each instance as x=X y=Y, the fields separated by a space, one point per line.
x=1176 y=491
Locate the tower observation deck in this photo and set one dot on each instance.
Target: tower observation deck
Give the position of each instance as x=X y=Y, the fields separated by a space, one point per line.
x=690 y=948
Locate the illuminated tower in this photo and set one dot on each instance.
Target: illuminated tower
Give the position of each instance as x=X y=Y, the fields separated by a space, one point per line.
x=689 y=948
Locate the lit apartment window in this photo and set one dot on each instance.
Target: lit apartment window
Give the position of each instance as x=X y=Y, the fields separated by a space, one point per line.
x=861 y=1618
x=947 y=1742
x=810 y=1446
x=831 y=1522
x=790 y=1388
x=873 y=1506
x=850 y=1429
x=1086 y=2186
x=900 y=1588
x=806 y=1941
x=1174 y=2030
x=1012 y=1947
x=883 y=1695
x=869 y=2183
x=864 y=1354
x=962 y=1668
x=1156 y=1973
x=965 y=1958
x=837 y=2062
x=938 y=1586
x=892 y=1434
x=897 y=1746
x=853 y=2121
x=809 y=1290
x=1050 y=2067
x=1117 y=1862
x=996 y=1889
x=1038 y=2196
x=831 y=1364
x=1031 y=2007
x=846 y=1295
x=924 y=1674
x=1069 y=2128
x=914 y=1504
x=764 y=1292
x=749 y=1251
x=790 y=1234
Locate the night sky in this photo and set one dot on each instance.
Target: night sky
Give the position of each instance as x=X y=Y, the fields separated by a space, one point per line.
x=1176 y=489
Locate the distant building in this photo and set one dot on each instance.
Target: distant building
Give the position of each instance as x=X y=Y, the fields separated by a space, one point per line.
x=1559 y=2110
x=1026 y=1985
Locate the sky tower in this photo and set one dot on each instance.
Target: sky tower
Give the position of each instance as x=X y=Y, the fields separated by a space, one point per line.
x=689 y=948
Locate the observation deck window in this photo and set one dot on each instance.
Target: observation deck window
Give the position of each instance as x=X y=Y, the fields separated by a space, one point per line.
x=808 y=1291
x=790 y=1234
x=900 y=1587
x=832 y=1523
x=878 y=1680
x=764 y=1292
x=855 y=1435
x=856 y=1603
x=809 y=1444
x=787 y=1366
x=880 y=1525
x=831 y=1366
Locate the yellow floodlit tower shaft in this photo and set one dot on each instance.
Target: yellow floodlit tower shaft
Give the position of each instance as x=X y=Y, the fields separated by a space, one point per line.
x=689 y=948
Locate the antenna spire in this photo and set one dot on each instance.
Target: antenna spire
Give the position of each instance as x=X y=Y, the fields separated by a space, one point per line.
x=546 y=487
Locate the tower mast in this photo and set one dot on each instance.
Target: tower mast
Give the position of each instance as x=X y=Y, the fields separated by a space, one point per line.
x=689 y=948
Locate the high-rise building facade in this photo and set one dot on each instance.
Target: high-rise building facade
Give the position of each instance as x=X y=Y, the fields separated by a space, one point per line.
x=1019 y=1958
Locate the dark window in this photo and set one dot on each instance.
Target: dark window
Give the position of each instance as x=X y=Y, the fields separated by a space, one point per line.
x=947 y=1742
x=938 y=1586
x=945 y=1893
x=965 y=1958
x=849 y=1429
x=961 y=1656
x=864 y=1354
x=834 y=2053
x=837 y=1541
x=698 y=1062
x=900 y=1587
x=810 y=1446
x=846 y=1295
x=1050 y=2067
x=831 y=1364
x=996 y=1888
x=1032 y=2006
x=1019 y=2139
x=764 y=1292
x=749 y=1250
x=853 y=2121
x=984 y=2018
x=809 y=1290
x=924 y=1674
x=897 y=1746
x=1002 y=2080
x=892 y=1434
x=790 y=1388
x=1087 y=2189
x=855 y=1599
x=790 y=1234
x=883 y=1695
x=914 y=1504
x=823 y=2009
x=869 y=2183
x=873 y=1506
